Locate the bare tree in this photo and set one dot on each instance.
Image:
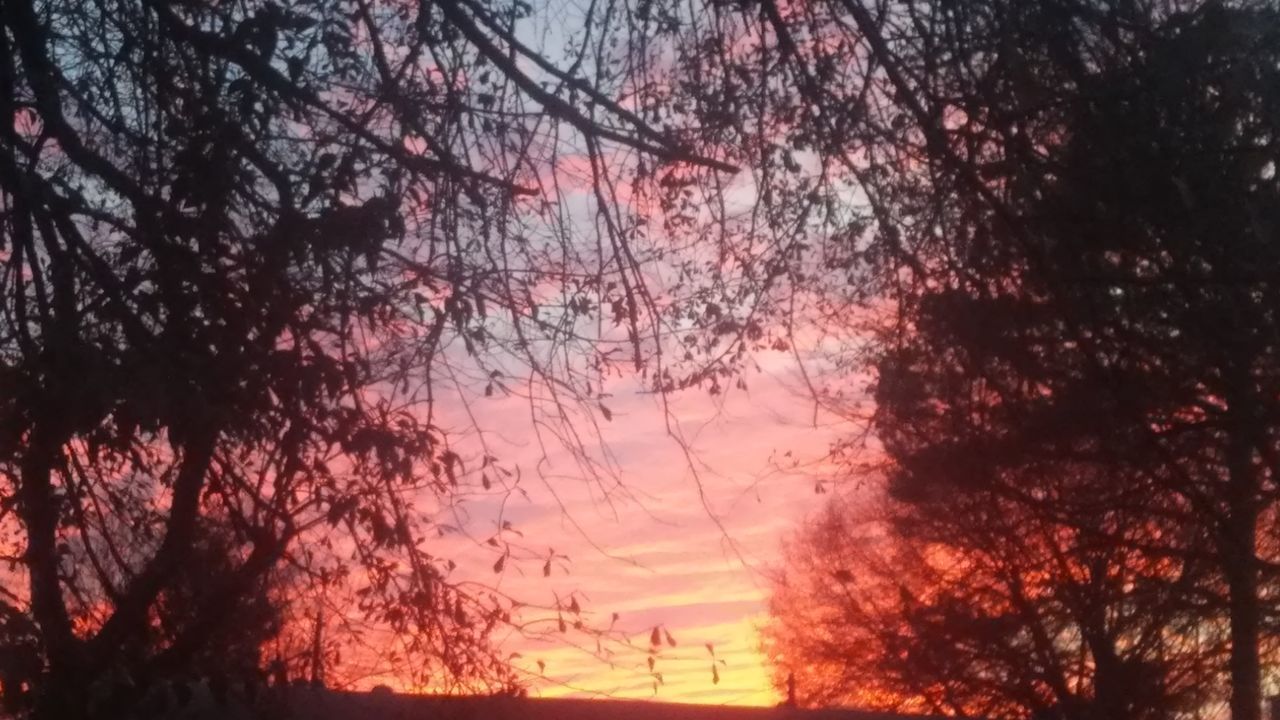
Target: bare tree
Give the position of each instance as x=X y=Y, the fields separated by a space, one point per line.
x=985 y=605
x=1067 y=242
x=260 y=257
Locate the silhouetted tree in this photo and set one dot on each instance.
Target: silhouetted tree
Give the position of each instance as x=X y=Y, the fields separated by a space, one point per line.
x=981 y=606
x=1070 y=242
x=249 y=246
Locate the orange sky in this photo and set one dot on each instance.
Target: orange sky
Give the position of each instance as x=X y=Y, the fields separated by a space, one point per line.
x=659 y=557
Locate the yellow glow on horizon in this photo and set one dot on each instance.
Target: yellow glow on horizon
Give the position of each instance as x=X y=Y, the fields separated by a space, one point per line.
x=685 y=669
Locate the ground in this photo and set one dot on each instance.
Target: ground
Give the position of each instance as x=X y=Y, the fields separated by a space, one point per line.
x=325 y=705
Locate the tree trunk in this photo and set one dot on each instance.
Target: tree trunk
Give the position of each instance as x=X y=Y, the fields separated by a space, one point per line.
x=1241 y=569
x=58 y=691
x=1239 y=554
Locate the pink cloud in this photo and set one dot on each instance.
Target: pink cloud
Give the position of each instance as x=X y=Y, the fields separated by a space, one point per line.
x=648 y=548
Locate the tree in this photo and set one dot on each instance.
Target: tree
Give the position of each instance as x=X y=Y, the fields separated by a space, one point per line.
x=249 y=246
x=1071 y=214
x=983 y=606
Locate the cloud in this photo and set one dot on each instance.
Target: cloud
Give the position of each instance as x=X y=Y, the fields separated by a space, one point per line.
x=676 y=543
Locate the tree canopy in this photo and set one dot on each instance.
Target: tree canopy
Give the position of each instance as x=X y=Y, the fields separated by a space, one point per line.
x=259 y=257
x=978 y=605
x=1074 y=212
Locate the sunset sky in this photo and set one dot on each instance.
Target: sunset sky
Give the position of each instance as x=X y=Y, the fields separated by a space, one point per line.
x=658 y=557
x=508 y=356
x=688 y=540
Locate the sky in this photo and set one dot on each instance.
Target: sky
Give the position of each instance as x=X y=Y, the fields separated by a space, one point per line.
x=657 y=554
x=688 y=540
